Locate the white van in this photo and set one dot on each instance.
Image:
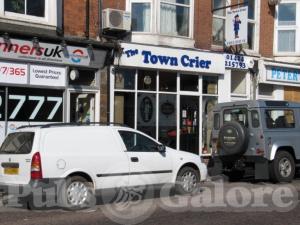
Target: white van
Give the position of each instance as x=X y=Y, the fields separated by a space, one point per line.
x=93 y=157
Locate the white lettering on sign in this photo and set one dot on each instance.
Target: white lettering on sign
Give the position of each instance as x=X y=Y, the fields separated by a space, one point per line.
x=46 y=75
x=171 y=59
x=13 y=73
x=288 y=75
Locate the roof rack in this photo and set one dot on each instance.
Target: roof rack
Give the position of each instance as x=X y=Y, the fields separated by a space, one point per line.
x=73 y=124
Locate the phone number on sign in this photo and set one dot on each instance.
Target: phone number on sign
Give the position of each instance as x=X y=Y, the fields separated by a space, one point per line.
x=6 y=70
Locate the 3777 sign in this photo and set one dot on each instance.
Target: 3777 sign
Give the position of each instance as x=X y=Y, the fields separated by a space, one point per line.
x=30 y=104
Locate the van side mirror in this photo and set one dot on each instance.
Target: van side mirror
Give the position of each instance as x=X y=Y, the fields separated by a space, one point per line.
x=161 y=148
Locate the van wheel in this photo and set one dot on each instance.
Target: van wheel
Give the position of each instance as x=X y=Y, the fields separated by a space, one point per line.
x=77 y=193
x=282 y=168
x=187 y=181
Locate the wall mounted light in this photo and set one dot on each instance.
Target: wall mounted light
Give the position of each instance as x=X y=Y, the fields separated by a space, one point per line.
x=6 y=38
x=35 y=43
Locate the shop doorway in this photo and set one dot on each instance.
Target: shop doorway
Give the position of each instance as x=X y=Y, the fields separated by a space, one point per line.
x=82 y=107
x=189 y=124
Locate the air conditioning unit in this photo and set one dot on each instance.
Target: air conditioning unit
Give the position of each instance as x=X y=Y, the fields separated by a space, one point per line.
x=114 y=19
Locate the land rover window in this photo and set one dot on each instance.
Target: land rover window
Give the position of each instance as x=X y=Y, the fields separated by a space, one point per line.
x=255 y=119
x=237 y=115
x=17 y=143
x=279 y=118
x=136 y=142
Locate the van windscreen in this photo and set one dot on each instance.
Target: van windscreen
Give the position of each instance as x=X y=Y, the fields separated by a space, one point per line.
x=17 y=143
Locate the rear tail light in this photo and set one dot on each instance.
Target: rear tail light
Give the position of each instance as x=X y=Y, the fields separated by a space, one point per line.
x=36 y=167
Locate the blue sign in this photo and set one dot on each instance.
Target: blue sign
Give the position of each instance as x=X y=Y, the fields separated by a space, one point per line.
x=283 y=74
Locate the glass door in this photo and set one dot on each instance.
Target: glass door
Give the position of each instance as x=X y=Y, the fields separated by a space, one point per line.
x=82 y=107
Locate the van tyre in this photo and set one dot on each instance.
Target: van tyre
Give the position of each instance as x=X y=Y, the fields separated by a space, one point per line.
x=282 y=168
x=76 y=193
x=187 y=181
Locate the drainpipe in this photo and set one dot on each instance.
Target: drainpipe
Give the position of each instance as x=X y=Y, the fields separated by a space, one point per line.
x=87 y=19
x=100 y=5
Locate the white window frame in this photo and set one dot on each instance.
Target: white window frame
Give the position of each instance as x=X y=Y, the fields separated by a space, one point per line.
x=191 y=19
x=155 y=17
x=129 y=9
x=256 y=23
x=50 y=17
x=227 y=3
x=287 y=27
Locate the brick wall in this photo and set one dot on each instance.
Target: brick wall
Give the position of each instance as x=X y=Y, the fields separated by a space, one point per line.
x=75 y=18
x=203 y=24
x=266 y=29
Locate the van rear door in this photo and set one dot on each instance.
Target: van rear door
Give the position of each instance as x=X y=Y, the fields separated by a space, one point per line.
x=15 y=158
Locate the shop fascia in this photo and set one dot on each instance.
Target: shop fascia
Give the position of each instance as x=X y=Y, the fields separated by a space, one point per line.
x=280 y=73
x=145 y=56
x=25 y=50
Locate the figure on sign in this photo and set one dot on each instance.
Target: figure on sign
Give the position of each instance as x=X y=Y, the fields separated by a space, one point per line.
x=236 y=25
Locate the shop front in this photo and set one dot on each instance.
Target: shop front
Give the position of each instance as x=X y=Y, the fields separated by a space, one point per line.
x=47 y=83
x=167 y=93
x=279 y=81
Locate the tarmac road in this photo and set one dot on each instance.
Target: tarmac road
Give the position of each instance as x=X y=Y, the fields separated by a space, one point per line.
x=231 y=203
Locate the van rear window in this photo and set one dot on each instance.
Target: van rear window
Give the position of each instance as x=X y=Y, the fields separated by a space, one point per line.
x=17 y=143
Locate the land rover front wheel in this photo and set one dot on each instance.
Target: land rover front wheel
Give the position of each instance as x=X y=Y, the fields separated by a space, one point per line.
x=282 y=168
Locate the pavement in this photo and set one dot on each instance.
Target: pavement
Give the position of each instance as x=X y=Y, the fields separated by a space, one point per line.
x=219 y=202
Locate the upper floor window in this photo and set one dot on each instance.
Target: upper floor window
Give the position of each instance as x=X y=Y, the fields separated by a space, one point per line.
x=252 y=18
x=172 y=17
x=26 y=7
x=43 y=12
x=141 y=16
x=175 y=17
x=219 y=18
x=287 y=27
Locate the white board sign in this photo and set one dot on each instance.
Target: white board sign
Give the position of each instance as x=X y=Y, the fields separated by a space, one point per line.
x=13 y=73
x=236 y=26
x=145 y=56
x=46 y=75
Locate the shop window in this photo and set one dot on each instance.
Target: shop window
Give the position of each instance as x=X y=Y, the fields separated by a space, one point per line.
x=175 y=17
x=82 y=77
x=265 y=89
x=167 y=81
x=189 y=82
x=167 y=120
x=147 y=80
x=146 y=113
x=125 y=79
x=238 y=82
x=218 y=24
x=210 y=85
x=287 y=27
x=140 y=16
x=124 y=110
x=26 y=7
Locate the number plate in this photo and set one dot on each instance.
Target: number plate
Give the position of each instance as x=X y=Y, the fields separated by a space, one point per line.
x=11 y=171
